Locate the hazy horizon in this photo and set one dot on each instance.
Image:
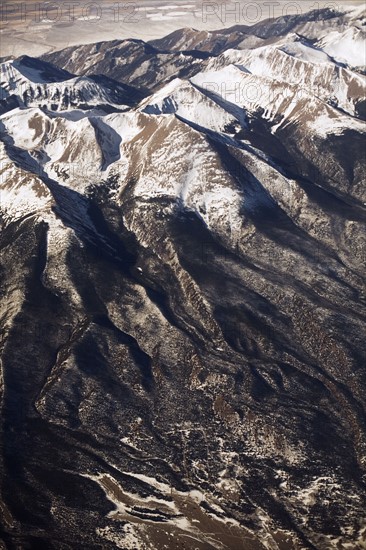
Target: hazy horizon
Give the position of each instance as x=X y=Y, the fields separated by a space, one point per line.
x=36 y=28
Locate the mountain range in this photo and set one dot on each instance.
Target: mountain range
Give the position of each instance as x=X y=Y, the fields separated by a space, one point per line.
x=182 y=304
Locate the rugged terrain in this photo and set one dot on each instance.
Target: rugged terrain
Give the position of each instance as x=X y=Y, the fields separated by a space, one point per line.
x=183 y=254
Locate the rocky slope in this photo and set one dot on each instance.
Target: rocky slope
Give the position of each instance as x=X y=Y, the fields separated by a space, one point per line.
x=183 y=292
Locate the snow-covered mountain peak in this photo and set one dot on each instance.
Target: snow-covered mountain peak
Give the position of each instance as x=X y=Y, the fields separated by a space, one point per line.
x=55 y=93
x=194 y=105
x=38 y=72
x=347 y=47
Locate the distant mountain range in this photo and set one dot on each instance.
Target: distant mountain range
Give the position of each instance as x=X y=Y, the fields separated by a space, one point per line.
x=183 y=304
